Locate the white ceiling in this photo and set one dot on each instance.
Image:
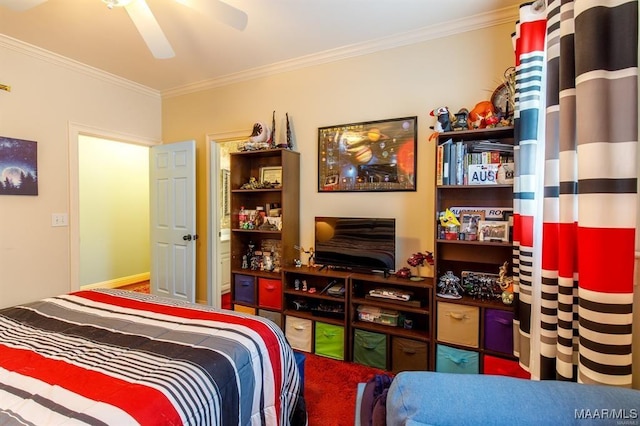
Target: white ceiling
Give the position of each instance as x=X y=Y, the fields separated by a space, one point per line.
x=279 y=33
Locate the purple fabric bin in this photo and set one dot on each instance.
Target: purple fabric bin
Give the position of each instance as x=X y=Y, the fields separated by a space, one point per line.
x=498 y=331
x=245 y=286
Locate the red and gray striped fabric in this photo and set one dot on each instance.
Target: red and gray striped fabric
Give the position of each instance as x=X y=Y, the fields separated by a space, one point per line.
x=119 y=358
x=579 y=308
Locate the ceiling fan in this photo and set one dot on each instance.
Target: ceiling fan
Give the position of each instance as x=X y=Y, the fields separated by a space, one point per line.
x=146 y=23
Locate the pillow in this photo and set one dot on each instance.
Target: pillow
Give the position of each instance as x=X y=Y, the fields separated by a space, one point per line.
x=379 y=415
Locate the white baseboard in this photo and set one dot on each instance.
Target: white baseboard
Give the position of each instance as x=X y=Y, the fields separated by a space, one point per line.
x=119 y=282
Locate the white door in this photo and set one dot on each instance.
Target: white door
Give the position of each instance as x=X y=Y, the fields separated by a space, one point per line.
x=172 y=171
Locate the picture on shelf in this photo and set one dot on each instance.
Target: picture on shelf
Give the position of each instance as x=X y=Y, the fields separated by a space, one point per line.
x=271 y=174
x=469 y=221
x=493 y=230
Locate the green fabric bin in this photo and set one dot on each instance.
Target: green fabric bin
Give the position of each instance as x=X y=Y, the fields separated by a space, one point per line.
x=330 y=340
x=370 y=349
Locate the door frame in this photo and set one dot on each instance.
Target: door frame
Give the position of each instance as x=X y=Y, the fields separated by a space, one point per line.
x=214 y=275
x=74 y=133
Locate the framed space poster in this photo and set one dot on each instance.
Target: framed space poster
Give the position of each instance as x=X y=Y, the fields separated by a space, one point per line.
x=368 y=156
x=18 y=167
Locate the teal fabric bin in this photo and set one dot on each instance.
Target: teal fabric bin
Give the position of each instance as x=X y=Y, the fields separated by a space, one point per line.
x=330 y=340
x=453 y=360
x=370 y=349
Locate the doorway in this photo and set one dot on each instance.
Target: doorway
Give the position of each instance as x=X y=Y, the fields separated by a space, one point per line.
x=113 y=212
x=76 y=133
x=219 y=269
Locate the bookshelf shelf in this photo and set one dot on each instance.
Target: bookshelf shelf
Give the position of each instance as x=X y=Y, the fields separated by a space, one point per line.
x=478 y=336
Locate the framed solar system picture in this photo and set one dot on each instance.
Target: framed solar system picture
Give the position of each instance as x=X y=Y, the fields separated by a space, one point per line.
x=369 y=156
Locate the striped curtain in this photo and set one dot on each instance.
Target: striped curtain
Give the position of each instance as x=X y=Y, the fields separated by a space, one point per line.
x=575 y=192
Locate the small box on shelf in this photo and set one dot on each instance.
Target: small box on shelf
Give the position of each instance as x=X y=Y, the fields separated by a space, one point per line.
x=378 y=315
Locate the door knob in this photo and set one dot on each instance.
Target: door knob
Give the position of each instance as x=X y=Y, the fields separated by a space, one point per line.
x=189 y=237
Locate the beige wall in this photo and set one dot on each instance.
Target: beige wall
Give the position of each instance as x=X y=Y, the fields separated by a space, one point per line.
x=49 y=96
x=114 y=210
x=394 y=83
x=399 y=82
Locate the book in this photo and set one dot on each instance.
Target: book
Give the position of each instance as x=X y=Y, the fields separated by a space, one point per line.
x=452 y=163
x=439 y=164
x=446 y=153
x=460 y=150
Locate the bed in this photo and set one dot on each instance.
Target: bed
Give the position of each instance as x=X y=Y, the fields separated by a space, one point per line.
x=117 y=357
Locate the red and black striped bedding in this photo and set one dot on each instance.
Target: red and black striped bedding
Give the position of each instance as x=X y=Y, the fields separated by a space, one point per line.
x=117 y=357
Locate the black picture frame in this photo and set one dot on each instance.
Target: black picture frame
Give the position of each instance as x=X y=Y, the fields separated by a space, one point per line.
x=369 y=156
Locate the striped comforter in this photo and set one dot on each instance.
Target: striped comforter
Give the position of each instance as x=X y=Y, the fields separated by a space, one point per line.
x=120 y=358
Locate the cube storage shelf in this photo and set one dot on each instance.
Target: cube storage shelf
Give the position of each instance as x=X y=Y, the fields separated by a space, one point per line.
x=321 y=319
x=401 y=339
x=255 y=290
x=471 y=334
x=338 y=332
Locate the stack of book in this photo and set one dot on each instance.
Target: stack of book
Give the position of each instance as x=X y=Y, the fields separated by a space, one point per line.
x=473 y=162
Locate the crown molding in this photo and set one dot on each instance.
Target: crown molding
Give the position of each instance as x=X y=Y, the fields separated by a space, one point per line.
x=476 y=22
x=62 y=61
x=498 y=17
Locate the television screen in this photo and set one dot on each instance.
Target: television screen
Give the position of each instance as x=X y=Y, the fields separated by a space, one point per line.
x=367 y=244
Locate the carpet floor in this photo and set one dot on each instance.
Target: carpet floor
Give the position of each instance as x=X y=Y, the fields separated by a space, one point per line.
x=330 y=388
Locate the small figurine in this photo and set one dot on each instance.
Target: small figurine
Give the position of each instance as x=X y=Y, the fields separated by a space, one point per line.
x=296 y=284
x=461 y=120
x=449 y=286
x=272 y=137
x=506 y=284
x=255 y=263
x=289 y=138
x=304 y=285
x=260 y=134
x=443 y=121
x=267 y=262
x=311 y=260
x=245 y=262
x=480 y=113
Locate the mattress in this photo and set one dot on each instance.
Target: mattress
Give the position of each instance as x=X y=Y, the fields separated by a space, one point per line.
x=118 y=357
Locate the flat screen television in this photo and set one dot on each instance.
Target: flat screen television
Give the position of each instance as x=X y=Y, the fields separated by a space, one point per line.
x=356 y=243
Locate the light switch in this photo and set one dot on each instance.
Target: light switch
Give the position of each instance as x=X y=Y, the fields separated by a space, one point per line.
x=59 y=219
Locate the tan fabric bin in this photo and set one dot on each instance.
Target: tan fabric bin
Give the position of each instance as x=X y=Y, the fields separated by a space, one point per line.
x=273 y=316
x=299 y=333
x=458 y=324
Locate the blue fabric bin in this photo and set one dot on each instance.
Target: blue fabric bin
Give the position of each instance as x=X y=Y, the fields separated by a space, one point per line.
x=453 y=360
x=300 y=357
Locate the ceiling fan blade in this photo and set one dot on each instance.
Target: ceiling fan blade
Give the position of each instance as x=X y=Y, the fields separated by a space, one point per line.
x=217 y=9
x=20 y=5
x=149 y=29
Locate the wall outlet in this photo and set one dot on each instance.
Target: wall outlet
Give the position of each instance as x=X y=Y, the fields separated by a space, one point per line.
x=59 y=219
